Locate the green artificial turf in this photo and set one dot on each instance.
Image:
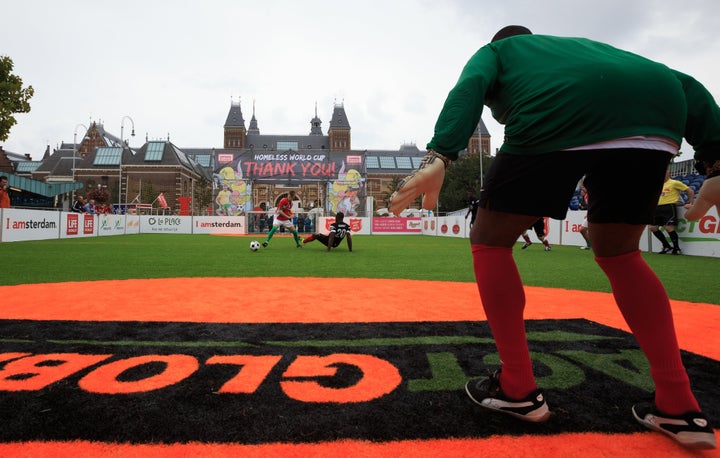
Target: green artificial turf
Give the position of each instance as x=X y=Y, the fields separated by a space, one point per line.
x=689 y=278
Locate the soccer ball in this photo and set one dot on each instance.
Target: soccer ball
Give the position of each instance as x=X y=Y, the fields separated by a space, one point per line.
x=254 y=245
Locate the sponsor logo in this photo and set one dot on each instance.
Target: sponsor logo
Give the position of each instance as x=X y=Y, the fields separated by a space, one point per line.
x=160 y=382
x=73 y=224
x=29 y=224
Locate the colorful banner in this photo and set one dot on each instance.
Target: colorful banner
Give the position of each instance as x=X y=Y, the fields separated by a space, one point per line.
x=344 y=174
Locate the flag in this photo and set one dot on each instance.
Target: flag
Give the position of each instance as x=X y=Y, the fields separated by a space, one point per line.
x=161 y=200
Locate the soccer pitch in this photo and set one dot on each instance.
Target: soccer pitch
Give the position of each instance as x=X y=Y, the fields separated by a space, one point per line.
x=688 y=278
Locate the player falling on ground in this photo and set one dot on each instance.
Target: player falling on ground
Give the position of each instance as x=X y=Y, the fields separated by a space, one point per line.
x=539 y=228
x=283 y=217
x=339 y=230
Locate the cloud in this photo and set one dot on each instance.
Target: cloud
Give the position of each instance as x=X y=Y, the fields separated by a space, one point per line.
x=173 y=66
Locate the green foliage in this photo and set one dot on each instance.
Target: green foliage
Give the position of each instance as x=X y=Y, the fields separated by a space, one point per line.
x=462 y=179
x=100 y=195
x=13 y=98
x=391 y=188
x=690 y=278
x=203 y=194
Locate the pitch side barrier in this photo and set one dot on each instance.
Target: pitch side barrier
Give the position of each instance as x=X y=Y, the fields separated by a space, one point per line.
x=698 y=238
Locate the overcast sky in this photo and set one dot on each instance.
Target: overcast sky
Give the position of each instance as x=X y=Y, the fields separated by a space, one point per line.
x=173 y=67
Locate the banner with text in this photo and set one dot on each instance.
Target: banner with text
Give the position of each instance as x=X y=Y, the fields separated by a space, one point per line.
x=219 y=225
x=165 y=224
x=18 y=225
x=344 y=174
x=396 y=225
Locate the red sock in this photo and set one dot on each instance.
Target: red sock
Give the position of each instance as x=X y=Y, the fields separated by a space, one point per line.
x=526 y=238
x=644 y=304
x=503 y=298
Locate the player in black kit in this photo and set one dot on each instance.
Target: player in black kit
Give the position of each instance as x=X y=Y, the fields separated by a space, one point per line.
x=338 y=231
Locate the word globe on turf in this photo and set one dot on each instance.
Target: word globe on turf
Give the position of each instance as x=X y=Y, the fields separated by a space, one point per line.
x=254 y=245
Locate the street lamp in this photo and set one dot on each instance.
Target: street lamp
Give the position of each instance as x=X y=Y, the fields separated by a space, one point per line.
x=122 y=144
x=75 y=154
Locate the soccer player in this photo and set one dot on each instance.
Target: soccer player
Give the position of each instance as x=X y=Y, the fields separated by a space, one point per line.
x=583 y=205
x=284 y=217
x=573 y=107
x=339 y=230
x=539 y=227
x=666 y=212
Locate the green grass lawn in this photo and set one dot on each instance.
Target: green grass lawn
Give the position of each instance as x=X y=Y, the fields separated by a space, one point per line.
x=689 y=278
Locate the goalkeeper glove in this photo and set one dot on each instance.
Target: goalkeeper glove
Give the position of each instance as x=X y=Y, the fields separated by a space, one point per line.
x=426 y=180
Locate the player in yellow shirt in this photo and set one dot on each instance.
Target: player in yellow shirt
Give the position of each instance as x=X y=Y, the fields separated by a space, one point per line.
x=666 y=212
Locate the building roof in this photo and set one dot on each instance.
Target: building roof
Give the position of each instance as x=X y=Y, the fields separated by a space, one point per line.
x=339 y=118
x=41 y=188
x=276 y=142
x=235 y=117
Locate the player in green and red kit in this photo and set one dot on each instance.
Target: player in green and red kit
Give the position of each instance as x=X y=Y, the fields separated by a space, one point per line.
x=284 y=217
x=573 y=107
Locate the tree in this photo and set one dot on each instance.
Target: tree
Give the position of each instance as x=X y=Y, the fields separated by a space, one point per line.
x=13 y=98
x=391 y=188
x=203 y=194
x=462 y=178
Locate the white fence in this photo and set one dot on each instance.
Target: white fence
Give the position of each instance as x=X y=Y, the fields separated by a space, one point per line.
x=698 y=238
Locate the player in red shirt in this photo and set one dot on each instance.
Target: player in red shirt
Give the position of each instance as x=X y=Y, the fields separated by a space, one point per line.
x=284 y=217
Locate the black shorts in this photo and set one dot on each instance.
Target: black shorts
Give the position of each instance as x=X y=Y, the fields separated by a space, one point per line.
x=665 y=215
x=623 y=184
x=539 y=227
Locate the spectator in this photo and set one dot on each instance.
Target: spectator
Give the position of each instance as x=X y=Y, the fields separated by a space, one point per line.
x=78 y=205
x=4 y=196
x=301 y=222
x=90 y=207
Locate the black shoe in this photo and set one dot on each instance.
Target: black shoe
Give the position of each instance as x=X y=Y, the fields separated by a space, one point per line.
x=676 y=251
x=265 y=244
x=488 y=394
x=527 y=244
x=665 y=250
x=690 y=429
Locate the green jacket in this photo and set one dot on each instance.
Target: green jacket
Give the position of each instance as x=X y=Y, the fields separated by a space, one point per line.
x=555 y=93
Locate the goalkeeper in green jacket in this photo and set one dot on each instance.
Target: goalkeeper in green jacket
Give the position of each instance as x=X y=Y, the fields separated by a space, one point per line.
x=573 y=107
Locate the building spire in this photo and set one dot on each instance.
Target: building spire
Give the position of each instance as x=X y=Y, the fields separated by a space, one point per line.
x=315 y=124
x=253 y=129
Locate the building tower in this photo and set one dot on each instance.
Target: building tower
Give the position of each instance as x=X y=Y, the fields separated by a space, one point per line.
x=315 y=123
x=339 y=131
x=253 y=129
x=235 y=127
x=480 y=140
